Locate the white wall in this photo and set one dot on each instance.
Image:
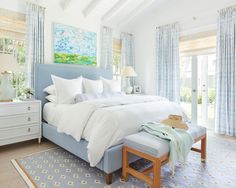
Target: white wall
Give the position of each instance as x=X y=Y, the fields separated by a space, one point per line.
x=168 y=12
x=54 y=13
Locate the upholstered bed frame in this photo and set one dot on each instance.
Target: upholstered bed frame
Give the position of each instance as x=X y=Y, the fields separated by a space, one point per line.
x=112 y=159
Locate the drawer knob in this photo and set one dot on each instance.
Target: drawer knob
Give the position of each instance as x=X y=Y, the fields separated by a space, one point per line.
x=29 y=129
x=29 y=108
x=29 y=119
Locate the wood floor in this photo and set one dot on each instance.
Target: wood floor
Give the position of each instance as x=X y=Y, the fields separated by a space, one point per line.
x=9 y=177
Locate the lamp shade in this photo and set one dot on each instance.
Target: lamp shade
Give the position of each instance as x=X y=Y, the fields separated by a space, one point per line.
x=129 y=72
x=8 y=63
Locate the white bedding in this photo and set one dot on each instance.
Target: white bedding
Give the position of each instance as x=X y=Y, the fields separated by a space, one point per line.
x=105 y=122
x=52 y=112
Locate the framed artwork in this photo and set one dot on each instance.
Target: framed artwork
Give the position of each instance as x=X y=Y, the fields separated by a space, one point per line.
x=137 y=89
x=74 y=46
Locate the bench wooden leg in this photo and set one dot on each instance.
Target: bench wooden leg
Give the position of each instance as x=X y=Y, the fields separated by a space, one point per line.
x=203 y=149
x=125 y=164
x=157 y=173
x=157 y=163
x=109 y=179
x=155 y=182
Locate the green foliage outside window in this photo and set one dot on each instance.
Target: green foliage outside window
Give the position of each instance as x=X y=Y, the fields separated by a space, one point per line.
x=17 y=49
x=186 y=95
x=116 y=62
x=21 y=52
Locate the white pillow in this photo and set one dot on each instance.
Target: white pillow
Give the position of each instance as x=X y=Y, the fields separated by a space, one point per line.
x=51 y=98
x=51 y=90
x=91 y=96
x=92 y=86
x=113 y=86
x=66 y=90
x=88 y=96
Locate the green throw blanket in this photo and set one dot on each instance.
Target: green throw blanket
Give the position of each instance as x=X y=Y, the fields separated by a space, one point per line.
x=180 y=141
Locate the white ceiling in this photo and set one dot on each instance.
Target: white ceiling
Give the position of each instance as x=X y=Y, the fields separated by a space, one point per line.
x=114 y=13
x=124 y=14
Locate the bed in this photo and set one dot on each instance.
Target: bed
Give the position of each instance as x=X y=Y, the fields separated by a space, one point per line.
x=108 y=120
x=111 y=160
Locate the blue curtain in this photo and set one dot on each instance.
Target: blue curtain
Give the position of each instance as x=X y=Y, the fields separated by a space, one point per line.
x=167 y=61
x=106 y=48
x=34 y=39
x=226 y=73
x=127 y=54
x=127 y=49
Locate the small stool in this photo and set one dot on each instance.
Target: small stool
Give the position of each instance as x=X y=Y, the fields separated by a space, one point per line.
x=156 y=150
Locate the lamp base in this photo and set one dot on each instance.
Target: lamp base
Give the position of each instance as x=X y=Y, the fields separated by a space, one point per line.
x=128 y=90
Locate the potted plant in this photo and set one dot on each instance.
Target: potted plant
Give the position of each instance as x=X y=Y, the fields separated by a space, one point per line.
x=28 y=93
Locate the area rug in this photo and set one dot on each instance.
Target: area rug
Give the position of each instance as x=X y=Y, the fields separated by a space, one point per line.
x=59 y=168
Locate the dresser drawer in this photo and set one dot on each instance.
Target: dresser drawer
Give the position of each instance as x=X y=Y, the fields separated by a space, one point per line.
x=19 y=131
x=12 y=121
x=19 y=108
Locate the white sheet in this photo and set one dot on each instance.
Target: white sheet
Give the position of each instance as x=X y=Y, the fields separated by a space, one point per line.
x=105 y=122
x=52 y=112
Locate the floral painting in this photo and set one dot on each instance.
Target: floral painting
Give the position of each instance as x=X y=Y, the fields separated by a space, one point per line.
x=74 y=46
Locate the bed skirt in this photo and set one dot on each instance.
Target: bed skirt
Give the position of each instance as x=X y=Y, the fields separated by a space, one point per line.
x=112 y=158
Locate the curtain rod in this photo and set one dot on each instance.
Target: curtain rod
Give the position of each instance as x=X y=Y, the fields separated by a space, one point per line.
x=230 y=6
x=103 y=26
x=157 y=27
x=35 y=2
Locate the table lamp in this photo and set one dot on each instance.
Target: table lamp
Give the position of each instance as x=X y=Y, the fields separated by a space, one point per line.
x=128 y=72
x=8 y=65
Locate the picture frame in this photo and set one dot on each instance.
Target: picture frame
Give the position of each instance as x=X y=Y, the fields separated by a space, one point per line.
x=72 y=45
x=137 y=89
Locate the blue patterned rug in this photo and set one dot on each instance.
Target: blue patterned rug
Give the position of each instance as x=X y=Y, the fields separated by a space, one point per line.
x=58 y=168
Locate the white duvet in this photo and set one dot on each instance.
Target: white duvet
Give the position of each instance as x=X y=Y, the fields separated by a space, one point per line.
x=105 y=122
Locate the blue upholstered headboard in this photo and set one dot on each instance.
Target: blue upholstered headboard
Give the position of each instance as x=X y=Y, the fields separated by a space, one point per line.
x=43 y=75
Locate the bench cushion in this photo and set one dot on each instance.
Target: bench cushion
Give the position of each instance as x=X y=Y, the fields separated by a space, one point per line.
x=156 y=146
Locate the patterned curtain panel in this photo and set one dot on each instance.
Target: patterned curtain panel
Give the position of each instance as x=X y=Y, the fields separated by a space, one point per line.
x=106 y=48
x=167 y=61
x=34 y=39
x=226 y=73
x=127 y=50
x=127 y=54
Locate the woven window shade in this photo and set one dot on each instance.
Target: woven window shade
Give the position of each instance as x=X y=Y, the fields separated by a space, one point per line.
x=117 y=45
x=12 y=25
x=198 y=44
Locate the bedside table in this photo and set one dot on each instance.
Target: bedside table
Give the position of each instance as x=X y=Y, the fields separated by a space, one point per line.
x=20 y=121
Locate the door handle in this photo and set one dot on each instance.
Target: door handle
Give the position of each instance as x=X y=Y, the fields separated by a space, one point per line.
x=194 y=90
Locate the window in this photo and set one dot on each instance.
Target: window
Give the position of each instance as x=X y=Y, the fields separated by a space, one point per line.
x=116 y=59
x=12 y=43
x=13 y=47
x=197 y=74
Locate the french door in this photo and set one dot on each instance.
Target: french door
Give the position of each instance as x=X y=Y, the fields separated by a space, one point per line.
x=197 y=93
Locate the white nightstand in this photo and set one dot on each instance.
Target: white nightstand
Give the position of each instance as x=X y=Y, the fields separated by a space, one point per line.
x=20 y=121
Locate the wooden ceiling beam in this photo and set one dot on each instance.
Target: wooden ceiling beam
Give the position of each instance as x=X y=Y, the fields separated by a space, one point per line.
x=114 y=9
x=64 y=4
x=140 y=8
x=90 y=7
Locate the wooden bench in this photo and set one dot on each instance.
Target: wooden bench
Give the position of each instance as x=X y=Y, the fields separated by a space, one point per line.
x=156 y=150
